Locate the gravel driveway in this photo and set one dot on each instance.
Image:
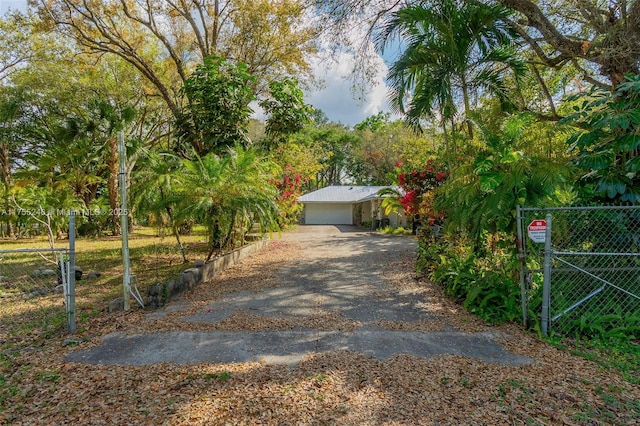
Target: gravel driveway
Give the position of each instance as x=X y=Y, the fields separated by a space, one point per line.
x=335 y=293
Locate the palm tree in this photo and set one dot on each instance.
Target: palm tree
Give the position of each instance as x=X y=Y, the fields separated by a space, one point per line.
x=155 y=190
x=454 y=49
x=228 y=193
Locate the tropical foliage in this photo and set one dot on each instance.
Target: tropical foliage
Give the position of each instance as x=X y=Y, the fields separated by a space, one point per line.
x=607 y=144
x=286 y=110
x=218 y=94
x=453 y=49
x=229 y=194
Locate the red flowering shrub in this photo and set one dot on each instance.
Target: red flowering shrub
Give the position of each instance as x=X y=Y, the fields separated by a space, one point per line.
x=289 y=189
x=417 y=186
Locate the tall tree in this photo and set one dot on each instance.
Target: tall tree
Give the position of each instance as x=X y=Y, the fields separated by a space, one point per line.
x=350 y=26
x=335 y=143
x=92 y=99
x=164 y=40
x=381 y=146
x=16 y=44
x=106 y=119
x=607 y=143
x=12 y=111
x=599 y=38
x=453 y=49
x=217 y=113
x=286 y=110
x=596 y=37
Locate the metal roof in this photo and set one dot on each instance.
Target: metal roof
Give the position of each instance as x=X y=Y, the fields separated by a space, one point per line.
x=342 y=194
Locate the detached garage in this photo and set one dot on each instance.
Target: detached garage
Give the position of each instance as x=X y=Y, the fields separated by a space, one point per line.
x=342 y=205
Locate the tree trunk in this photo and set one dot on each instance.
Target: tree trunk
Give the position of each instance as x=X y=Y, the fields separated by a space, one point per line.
x=230 y=232
x=112 y=185
x=5 y=162
x=176 y=234
x=216 y=233
x=611 y=45
x=215 y=240
x=215 y=31
x=447 y=142
x=545 y=90
x=467 y=107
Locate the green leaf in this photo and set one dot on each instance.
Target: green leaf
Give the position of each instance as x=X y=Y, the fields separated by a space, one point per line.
x=631 y=195
x=631 y=85
x=633 y=165
x=619 y=121
x=512 y=157
x=612 y=186
x=587 y=139
x=628 y=142
x=596 y=161
x=635 y=117
x=491 y=181
x=472 y=294
x=483 y=165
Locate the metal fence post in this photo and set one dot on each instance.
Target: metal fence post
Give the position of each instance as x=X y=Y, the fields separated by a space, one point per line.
x=71 y=273
x=546 y=286
x=124 y=224
x=523 y=288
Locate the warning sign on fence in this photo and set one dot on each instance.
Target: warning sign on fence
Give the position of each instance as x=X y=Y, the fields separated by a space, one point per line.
x=537 y=230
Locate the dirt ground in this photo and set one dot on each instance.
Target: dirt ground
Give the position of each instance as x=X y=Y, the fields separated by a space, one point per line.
x=339 y=387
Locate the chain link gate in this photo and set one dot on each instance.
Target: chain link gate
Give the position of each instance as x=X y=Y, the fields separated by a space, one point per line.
x=32 y=279
x=580 y=270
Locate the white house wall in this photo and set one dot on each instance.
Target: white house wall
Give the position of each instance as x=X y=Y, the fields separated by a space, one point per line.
x=396 y=220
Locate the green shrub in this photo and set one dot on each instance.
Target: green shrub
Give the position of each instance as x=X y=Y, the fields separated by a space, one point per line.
x=486 y=287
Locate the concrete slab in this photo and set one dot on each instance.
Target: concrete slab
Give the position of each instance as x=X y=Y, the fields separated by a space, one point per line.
x=287 y=347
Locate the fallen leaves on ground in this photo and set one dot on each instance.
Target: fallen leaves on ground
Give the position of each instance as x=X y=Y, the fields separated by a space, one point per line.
x=333 y=388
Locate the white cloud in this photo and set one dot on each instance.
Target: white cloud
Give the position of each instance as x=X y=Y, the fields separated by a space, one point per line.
x=337 y=98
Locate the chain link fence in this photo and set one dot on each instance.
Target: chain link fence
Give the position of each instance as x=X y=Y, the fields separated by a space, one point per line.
x=580 y=270
x=37 y=290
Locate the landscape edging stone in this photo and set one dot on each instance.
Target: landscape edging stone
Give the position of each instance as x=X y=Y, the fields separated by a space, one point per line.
x=160 y=294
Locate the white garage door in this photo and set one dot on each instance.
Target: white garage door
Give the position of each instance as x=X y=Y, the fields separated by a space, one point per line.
x=328 y=214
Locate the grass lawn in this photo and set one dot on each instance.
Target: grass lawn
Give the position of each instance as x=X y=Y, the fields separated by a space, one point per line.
x=30 y=307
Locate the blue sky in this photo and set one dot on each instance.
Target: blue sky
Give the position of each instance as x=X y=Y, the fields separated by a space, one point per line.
x=11 y=4
x=335 y=98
